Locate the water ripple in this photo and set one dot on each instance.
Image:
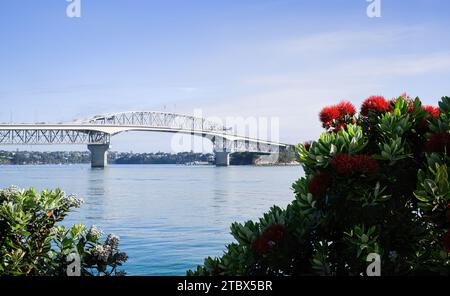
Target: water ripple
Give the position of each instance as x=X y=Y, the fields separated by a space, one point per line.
x=169 y=218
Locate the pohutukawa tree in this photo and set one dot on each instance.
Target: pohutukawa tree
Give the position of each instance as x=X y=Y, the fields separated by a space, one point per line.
x=375 y=182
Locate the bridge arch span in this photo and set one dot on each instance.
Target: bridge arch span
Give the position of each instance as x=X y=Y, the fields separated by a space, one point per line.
x=97 y=131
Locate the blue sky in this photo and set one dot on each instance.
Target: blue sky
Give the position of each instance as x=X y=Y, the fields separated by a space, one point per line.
x=259 y=58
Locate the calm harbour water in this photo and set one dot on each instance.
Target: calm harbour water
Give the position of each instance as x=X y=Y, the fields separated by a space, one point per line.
x=168 y=217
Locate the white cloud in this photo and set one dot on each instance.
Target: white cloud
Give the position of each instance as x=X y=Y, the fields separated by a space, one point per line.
x=406 y=65
x=358 y=70
x=351 y=40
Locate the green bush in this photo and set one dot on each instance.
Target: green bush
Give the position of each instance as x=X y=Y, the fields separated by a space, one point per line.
x=31 y=242
x=375 y=182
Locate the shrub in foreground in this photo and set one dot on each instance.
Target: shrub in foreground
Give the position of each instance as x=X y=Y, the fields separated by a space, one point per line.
x=32 y=242
x=375 y=182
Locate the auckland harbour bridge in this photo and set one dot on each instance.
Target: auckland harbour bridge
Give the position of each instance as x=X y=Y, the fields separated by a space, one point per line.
x=97 y=131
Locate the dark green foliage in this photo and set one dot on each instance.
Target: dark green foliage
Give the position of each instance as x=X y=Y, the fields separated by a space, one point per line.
x=32 y=242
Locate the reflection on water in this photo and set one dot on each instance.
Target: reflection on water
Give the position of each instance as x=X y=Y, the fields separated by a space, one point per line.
x=168 y=217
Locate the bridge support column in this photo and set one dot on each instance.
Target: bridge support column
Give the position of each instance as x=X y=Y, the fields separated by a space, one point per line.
x=99 y=155
x=222 y=158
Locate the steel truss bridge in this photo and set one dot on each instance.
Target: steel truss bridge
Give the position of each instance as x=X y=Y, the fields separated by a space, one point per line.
x=97 y=131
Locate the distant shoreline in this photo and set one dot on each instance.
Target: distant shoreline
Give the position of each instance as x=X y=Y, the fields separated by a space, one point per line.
x=118 y=158
x=138 y=164
x=280 y=164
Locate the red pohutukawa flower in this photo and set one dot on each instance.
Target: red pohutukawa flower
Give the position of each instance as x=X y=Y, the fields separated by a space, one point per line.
x=328 y=115
x=375 y=104
x=346 y=164
x=338 y=112
x=433 y=111
x=365 y=164
x=319 y=184
x=439 y=142
x=446 y=241
x=271 y=238
x=346 y=108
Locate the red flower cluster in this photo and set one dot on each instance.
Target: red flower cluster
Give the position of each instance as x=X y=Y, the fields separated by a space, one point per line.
x=375 y=104
x=319 y=183
x=343 y=164
x=330 y=114
x=366 y=164
x=349 y=164
x=439 y=142
x=433 y=111
x=346 y=108
x=270 y=239
x=446 y=241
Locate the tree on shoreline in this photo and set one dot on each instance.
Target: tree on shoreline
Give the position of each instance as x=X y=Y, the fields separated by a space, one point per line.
x=375 y=183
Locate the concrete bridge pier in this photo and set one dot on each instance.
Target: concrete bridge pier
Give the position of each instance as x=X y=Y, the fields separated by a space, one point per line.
x=99 y=155
x=222 y=158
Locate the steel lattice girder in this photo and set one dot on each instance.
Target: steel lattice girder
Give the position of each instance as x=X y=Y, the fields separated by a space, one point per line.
x=157 y=119
x=222 y=144
x=43 y=137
